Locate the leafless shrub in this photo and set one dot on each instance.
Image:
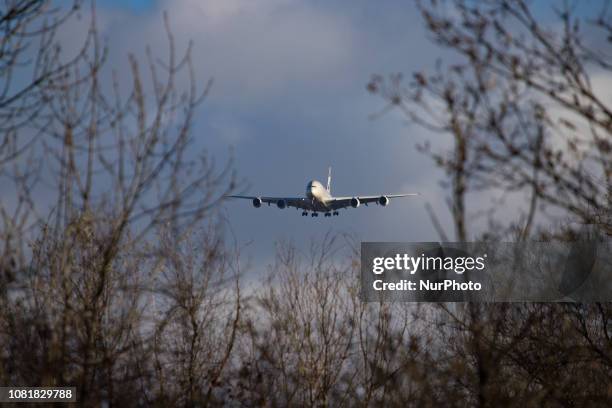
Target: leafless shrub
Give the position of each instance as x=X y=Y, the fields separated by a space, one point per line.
x=300 y=331
x=197 y=317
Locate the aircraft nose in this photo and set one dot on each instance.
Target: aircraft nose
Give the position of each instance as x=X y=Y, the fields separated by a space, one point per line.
x=309 y=191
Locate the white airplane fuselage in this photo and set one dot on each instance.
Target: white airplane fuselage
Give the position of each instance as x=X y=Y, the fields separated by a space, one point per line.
x=317 y=192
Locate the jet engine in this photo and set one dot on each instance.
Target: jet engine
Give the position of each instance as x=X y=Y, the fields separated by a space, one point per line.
x=355 y=202
x=257 y=202
x=281 y=204
x=383 y=200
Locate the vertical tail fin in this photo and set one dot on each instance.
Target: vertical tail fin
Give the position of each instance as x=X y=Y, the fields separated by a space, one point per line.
x=329 y=180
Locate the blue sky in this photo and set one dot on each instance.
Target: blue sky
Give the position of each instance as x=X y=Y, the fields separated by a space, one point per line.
x=289 y=98
x=133 y=5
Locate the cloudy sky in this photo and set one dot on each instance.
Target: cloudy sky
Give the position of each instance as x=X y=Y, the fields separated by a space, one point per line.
x=289 y=98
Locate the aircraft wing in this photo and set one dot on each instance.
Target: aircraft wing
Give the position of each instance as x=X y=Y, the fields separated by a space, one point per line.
x=343 y=202
x=297 y=202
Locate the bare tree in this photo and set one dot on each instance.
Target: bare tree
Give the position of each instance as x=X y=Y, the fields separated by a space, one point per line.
x=74 y=304
x=30 y=60
x=300 y=331
x=520 y=105
x=524 y=115
x=197 y=319
x=125 y=286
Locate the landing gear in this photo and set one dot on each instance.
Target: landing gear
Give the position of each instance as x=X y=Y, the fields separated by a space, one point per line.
x=328 y=214
x=335 y=213
x=314 y=214
x=304 y=214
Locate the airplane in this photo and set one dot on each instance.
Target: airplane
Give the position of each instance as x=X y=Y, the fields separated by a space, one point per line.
x=319 y=199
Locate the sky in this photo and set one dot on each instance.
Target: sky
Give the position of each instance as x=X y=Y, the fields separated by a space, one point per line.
x=289 y=99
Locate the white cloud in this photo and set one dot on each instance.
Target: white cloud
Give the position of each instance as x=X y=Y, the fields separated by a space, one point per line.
x=254 y=50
